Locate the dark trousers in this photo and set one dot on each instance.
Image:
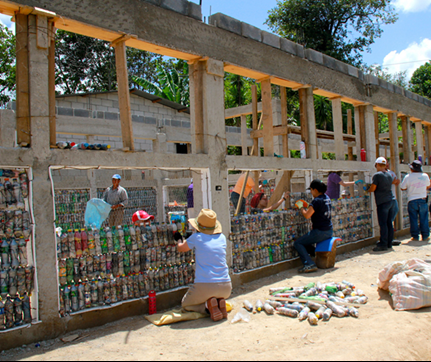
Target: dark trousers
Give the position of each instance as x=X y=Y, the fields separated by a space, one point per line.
x=386 y=214
x=305 y=244
x=419 y=209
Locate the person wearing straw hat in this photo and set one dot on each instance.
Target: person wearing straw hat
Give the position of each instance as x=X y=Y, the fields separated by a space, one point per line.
x=212 y=284
x=416 y=184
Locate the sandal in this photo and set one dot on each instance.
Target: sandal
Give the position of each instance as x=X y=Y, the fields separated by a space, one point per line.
x=222 y=307
x=308 y=269
x=213 y=309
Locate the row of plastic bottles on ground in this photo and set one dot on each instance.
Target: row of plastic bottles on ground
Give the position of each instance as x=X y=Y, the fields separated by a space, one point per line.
x=346 y=206
x=16 y=281
x=15 y=224
x=252 y=259
x=312 y=302
x=13 y=191
x=83 y=146
x=101 y=292
x=15 y=311
x=121 y=263
x=121 y=238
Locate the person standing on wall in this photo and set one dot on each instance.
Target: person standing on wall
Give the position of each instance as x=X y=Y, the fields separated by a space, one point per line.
x=334 y=184
x=394 y=191
x=416 y=184
x=236 y=193
x=385 y=200
x=117 y=197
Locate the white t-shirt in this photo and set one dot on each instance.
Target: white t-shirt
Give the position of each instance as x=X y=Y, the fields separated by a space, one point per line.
x=416 y=184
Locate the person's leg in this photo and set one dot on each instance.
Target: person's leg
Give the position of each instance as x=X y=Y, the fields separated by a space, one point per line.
x=397 y=209
x=234 y=197
x=198 y=294
x=424 y=219
x=242 y=209
x=383 y=214
x=391 y=217
x=313 y=237
x=413 y=215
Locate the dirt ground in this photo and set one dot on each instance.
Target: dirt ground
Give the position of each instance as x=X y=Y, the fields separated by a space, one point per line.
x=380 y=333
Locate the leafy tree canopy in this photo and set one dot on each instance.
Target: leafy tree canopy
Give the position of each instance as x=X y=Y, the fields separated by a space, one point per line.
x=7 y=64
x=342 y=29
x=421 y=81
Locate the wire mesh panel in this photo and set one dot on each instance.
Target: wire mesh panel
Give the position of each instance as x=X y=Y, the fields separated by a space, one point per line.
x=176 y=201
x=140 y=198
x=70 y=208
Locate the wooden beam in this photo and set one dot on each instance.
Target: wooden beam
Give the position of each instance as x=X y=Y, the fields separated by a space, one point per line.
x=244 y=135
x=51 y=85
x=285 y=141
x=362 y=126
x=277 y=131
x=282 y=187
x=124 y=96
x=242 y=110
x=419 y=139
x=268 y=125
x=337 y=116
x=407 y=144
x=303 y=115
x=350 y=149
x=255 y=119
x=196 y=106
x=395 y=159
x=23 y=125
x=429 y=145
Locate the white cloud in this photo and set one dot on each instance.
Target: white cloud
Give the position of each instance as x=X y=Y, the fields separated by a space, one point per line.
x=6 y=21
x=412 y=5
x=408 y=59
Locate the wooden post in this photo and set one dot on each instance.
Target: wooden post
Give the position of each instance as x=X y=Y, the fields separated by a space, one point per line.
x=337 y=116
x=23 y=126
x=255 y=121
x=350 y=149
x=429 y=144
x=407 y=139
x=283 y=96
x=308 y=121
x=369 y=134
x=395 y=160
x=358 y=132
x=268 y=125
x=244 y=134
x=124 y=96
x=196 y=70
x=51 y=85
x=362 y=126
x=419 y=139
x=377 y=131
x=426 y=143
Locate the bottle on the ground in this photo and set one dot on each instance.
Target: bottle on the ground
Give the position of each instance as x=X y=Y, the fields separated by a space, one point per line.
x=312 y=319
x=269 y=309
x=303 y=315
x=327 y=314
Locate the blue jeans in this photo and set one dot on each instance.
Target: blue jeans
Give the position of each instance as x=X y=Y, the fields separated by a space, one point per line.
x=235 y=199
x=397 y=209
x=419 y=208
x=306 y=242
x=386 y=214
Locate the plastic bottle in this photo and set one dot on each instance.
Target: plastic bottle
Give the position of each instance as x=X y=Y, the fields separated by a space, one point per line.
x=13 y=285
x=312 y=319
x=91 y=242
x=268 y=309
x=138 y=236
x=106 y=243
x=126 y=262
x=64 y=246
x=2 y=322
x=74 y=298
x=20 y=277
x=319 y=313
x=127 y=238
x=313 y=306
x=363 y=155
x=327 y=314
x=120 y=263
x=71 y=242
x=304 y=314
x=242 y=316
x=87 y=295
x=288 y=312
x=133 y=240
x=353 y=312
x=125 y=288
x=337 y=311
x=81 y=297
x=113 y=286
x=8 y=309
x=14 y=259
x=100 y=293
x=5 y=254
x=67 y=300
x=274 y=303
x=84 y=242
x=94 y=294
x=97 y=242
x=297 y=307
x=78 y=243
x=121 y=239
x=115 y=239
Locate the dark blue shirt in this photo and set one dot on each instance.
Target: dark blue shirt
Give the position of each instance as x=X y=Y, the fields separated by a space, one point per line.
x=321 y=218
x=190 y=200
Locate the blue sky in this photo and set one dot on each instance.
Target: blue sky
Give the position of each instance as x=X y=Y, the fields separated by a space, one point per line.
x=405 y=45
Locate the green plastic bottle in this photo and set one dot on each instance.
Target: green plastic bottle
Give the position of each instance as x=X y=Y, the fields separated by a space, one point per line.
x=331 y=289
x=127 y=238
x=117 y=246
x=103 y=241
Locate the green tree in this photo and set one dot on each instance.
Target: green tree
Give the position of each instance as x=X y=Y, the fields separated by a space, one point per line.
x=7 y=65
x=421 y=81
x=342 y=29
x=399 y=78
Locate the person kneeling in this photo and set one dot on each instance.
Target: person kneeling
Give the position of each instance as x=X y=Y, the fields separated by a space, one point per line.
x=212 y=282
x=319 y=212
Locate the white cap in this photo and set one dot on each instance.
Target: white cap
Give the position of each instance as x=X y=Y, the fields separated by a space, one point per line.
x=381 y=161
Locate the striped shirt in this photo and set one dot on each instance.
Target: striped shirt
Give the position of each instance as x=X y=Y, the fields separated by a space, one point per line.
x=115 y=197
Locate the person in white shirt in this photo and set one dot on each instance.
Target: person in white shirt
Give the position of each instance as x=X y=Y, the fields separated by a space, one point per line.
x=416 y=184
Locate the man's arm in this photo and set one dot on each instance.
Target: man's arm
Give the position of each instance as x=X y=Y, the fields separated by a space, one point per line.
x=124 y=198
x=277 y=204
x=372 y=188
x=347 y=184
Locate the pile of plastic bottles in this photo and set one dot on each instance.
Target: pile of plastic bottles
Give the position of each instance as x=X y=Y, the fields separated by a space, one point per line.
x=111 y=265
x=16 y=275
x=70 y=207
x=83 y=146
x=263 y=239
x=313 y=302
x=352 y=219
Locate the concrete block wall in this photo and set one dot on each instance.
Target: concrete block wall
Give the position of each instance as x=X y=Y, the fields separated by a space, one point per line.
x=183 y=7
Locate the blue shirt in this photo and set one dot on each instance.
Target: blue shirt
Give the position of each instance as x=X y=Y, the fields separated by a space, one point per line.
x=211 y=265
x=321 y=218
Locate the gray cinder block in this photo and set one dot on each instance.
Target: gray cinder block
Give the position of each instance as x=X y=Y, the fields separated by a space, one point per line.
x=271 y=39
x=314 y=56
x=288 y=46
x=250 y=31
x=226 y=22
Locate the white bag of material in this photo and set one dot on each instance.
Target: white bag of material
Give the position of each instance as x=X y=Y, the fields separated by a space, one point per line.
x=397 y=267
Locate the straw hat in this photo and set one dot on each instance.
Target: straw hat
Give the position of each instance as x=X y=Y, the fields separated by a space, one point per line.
x=207 y=222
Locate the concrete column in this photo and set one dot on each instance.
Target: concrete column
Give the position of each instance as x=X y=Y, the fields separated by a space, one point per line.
x=277 y=121
x=38 y=80
x=419 y=139
x=427 y=144
x=308 y=121
x=196 y=70
x=7 y=128
x=370 y=133
x=337 y=116
x=159 y=144
x=358 y=132
x=395 y=161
